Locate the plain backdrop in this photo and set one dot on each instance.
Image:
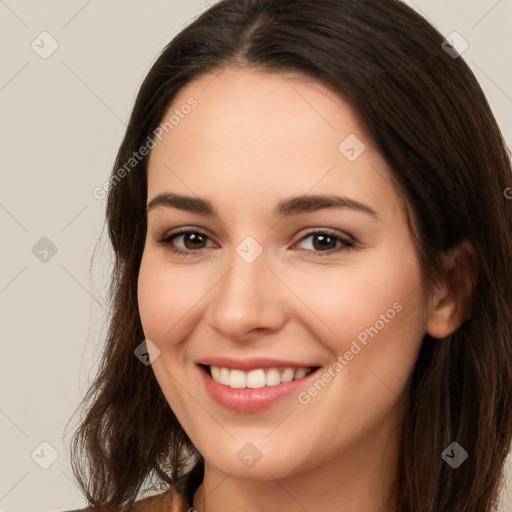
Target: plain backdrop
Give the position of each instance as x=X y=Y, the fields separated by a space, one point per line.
x=63 y=115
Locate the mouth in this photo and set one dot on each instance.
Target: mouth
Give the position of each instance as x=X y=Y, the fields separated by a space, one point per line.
x=259 y=385
x=257 y=378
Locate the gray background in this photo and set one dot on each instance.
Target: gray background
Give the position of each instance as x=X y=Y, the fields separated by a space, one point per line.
x=62 y=120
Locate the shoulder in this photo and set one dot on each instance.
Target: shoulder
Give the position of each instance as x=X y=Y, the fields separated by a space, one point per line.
x=168 y=501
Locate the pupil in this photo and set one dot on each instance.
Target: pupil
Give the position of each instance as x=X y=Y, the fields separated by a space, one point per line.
x=322 y=239
x=195 y=238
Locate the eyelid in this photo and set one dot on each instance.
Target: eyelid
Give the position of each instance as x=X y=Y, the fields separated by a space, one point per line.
x=327 y=231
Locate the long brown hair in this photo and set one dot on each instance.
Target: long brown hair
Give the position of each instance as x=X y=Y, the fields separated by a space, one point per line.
x=426 y=114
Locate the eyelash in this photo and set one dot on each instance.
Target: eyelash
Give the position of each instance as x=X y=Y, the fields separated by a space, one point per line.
x=347 y=244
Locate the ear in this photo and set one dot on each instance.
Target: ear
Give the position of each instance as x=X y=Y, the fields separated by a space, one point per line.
x=451 y=300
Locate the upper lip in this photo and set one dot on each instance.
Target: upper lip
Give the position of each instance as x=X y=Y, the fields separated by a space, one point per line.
x=252 y=363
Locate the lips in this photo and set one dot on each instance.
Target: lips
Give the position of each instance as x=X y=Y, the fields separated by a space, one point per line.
x=252 y=385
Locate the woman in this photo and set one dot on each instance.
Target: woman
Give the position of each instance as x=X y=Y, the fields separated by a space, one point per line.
x=311 y=293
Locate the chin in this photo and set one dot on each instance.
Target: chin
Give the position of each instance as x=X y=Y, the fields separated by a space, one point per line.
x=249 y=463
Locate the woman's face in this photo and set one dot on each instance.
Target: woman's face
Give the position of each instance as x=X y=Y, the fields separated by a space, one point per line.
x=299 y=258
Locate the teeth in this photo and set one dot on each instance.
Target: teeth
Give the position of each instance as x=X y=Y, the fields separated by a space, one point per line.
x=255 y=379
x=215 y=373
x=273 y=377
x=224 y=376
x=237 y=379
x=301 y=372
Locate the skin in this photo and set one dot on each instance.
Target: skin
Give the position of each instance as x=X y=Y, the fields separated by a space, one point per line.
x=252 y=140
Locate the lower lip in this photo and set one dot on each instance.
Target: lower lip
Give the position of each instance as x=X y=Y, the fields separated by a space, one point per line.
x=248 y=399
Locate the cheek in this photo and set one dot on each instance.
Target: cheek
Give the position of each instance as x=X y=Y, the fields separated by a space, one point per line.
x=373 y=317
x=172 y=300
x=378 y=294
x=162 y=298
x=376 y=323
x=166 y=304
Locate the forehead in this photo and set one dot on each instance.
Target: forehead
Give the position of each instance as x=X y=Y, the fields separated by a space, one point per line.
x=271 y=133
x=252 y=107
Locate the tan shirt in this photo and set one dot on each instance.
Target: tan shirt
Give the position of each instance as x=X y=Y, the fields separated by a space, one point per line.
x=168 y=501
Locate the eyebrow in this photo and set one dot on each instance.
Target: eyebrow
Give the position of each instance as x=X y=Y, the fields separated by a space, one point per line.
x=286 y=207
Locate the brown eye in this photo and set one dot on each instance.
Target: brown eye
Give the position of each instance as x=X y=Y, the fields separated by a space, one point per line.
x=185 y=242
x=193 y=240
x=325 y=242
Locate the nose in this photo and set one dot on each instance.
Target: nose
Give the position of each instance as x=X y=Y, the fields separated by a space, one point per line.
x=248 y=300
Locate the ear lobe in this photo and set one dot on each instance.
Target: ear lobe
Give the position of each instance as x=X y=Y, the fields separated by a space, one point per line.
x=452 y=299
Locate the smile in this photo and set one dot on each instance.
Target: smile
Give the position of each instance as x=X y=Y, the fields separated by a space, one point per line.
x=253 y=385
x=255 y=379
